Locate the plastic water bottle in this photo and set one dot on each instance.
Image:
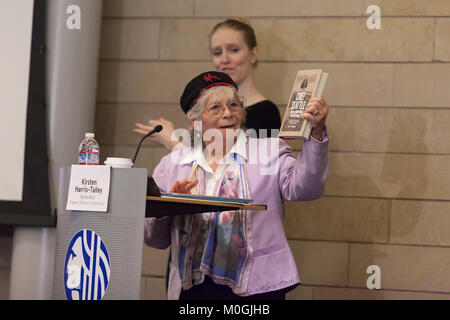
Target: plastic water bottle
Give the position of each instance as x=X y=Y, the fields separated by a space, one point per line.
x=89 y=151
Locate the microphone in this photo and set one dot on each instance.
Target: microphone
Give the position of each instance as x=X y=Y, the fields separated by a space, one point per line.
x=156 y=129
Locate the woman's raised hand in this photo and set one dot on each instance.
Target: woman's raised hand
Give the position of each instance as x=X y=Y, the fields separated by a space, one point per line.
x=163 y=137
x=317 y=111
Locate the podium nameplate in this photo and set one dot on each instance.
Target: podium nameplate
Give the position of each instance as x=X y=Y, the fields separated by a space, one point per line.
x=89 y=188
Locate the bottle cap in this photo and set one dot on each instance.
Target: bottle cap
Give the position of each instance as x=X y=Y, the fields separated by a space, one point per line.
x=89 y=135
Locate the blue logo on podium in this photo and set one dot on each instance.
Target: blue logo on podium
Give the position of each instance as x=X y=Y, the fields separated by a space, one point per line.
x=87 y=268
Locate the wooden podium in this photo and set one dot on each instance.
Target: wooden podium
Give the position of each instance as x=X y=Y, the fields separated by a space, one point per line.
x=170 y=206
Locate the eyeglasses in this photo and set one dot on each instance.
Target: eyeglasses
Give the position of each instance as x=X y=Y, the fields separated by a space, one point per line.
x=218 y=110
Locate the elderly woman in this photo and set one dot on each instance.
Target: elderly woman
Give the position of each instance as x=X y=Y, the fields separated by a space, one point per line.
x=234 y=254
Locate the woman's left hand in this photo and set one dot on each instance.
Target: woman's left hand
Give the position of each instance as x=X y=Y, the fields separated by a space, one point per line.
x=317 y=111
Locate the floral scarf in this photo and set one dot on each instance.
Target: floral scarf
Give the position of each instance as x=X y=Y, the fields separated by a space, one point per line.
x=216 y=243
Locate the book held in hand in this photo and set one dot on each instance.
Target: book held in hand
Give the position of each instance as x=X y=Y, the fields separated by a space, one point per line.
x=308 y=84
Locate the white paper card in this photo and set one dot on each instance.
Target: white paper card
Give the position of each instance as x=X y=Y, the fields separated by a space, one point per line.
x=89 y=188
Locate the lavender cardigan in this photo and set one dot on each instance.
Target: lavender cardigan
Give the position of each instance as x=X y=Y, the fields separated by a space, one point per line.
x=303 y=178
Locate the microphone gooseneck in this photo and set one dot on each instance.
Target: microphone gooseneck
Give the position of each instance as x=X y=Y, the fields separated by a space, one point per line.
x=156 y=129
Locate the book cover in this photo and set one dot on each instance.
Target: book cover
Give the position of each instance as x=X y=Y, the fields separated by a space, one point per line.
x=307 y=84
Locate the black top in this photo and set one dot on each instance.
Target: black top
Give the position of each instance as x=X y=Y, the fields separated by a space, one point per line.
x=263 y=115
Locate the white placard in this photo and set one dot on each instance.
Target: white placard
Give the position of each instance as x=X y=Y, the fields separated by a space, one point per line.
x=89 y=188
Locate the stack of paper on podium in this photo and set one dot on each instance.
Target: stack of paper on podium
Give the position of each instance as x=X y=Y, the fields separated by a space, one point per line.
x=171 y=204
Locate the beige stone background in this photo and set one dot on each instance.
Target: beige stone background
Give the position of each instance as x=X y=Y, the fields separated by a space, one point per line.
x=387 y=199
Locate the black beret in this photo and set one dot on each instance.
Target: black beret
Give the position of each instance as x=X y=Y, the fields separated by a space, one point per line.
x=203 y=81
